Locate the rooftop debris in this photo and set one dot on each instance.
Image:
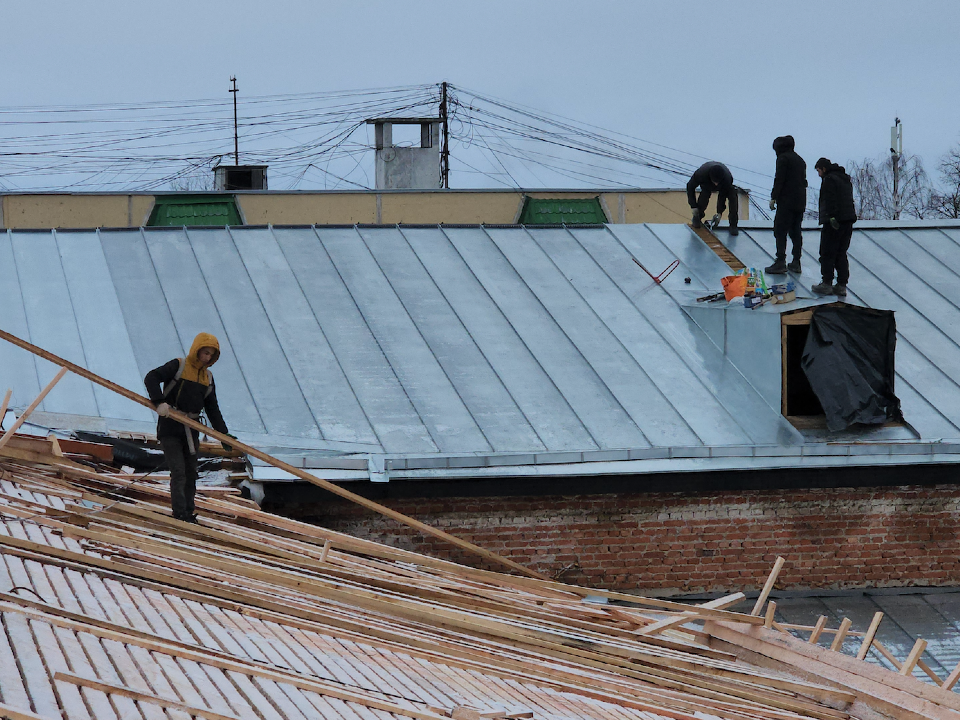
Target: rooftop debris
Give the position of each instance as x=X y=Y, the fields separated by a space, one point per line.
x=111 y=608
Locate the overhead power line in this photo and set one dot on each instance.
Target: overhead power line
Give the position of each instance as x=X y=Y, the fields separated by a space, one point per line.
x=317 y=140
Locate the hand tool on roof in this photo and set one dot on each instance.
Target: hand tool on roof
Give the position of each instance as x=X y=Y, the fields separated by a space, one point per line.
x=712 y=223
x=663 y=275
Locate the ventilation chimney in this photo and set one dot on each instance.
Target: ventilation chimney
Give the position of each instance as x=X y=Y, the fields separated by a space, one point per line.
x=407 y=168
x=240 y=177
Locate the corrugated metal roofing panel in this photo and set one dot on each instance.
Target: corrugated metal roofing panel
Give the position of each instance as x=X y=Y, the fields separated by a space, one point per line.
x=194 y=311
x=319 y=376
x=431 y=317
x=19 y=371
x=464 y=340
x=523 y=377
x=51 y=320
x=591 y=399
x=385 y=402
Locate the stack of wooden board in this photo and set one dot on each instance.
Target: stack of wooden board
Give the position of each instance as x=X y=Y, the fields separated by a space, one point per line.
x=110 y=608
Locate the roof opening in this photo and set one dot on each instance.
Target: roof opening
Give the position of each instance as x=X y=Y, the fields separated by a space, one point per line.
x=799 y=402
x=838 y=367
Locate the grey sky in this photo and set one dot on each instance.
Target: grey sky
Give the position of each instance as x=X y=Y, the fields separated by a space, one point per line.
x=716 y=80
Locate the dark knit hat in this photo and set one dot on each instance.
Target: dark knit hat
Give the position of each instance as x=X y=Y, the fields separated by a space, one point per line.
x=822 y=163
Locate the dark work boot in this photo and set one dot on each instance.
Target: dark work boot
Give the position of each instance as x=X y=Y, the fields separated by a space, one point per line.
x=823 y=288
x=794 y=267
x=779 y=267
x=734 y=230
x=840 y=291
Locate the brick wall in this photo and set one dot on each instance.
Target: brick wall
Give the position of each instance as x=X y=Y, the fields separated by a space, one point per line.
x=677 y=542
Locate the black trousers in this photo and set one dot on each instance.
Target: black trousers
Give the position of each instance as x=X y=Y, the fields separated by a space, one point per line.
x=183 y=473
x=833 y=252
x=787 y=222
x=703 y=200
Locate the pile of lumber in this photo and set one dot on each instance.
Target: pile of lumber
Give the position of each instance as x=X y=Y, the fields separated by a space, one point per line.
x=110 y=608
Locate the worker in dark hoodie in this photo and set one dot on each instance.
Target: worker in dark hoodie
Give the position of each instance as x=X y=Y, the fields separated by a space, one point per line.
x=713 y=177
x=837 y=215
x=789 y=199
x=187 y=386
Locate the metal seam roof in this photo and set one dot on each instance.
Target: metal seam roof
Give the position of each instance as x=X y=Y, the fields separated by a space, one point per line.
x=469 y=341
x=928 y=359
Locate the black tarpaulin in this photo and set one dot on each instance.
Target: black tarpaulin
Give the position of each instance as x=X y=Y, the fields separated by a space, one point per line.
x=849 y=360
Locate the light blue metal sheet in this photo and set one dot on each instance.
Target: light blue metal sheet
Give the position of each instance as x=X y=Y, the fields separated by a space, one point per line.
x=454 y=339
x=929 y=410
x=440 y=406
x=595 y=405
x=18 y=371
x=396 y=422
x=51 y=321
x=697 y=407
x=194 y=311
x=693 y=253
x=480 y=389
x=106 y=345
x=145 y=312
x=723 y=381
x=274 y=389
x=542 y=404
x=318 y=373
x=606 y=354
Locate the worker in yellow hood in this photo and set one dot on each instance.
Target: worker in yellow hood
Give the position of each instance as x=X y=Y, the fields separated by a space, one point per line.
x=185 y=384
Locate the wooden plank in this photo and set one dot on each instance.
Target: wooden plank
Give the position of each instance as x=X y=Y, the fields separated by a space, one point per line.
x=12 y=689
x=217 y=660
x=768 y=586
x=4 y=405
x=32 y=406
x=817 y=629
x=918 y=647
x=236 y=444
x=887 y=692
x=801 y=317
x=837 y=643
x=768 y=616
x=11 y=713
x=721 y=250
x=868 y=638
x=126 y=692
x=693 y=614
x=952 y=678
x=42 y=694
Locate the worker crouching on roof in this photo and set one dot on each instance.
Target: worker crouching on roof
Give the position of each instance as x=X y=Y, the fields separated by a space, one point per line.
x=188 y=387
x=713 y=177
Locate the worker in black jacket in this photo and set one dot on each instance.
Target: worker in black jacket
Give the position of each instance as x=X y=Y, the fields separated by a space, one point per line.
x=709 y=177
x=789 y=199
x=837 y=215
x=188 y=387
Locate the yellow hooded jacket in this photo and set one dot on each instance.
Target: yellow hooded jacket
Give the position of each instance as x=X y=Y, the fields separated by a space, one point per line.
x=192 y=393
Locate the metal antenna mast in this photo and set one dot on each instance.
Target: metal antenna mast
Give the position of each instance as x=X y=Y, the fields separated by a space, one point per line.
x=896 y=152
x=445 y=150
x=236 y=141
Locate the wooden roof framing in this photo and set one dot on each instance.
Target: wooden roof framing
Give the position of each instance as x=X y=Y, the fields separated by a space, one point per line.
x=110 y=608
